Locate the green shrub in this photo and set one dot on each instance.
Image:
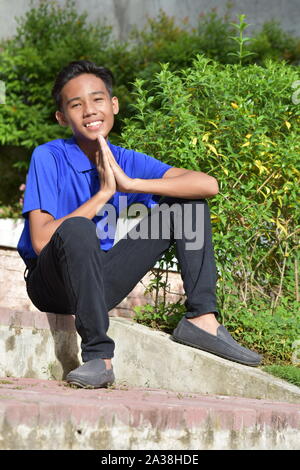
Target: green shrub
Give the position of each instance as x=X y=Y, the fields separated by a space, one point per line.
x=161 y=314
x=240 y=125
x=11 y=189
x=289 y=373
x=48 y=38
x=162 y=317
x=163 y=39
x=51 y=35
x=271 y=42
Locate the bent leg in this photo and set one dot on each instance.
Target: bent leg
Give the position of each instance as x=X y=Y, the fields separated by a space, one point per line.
x=68 y=278
x=132 y=257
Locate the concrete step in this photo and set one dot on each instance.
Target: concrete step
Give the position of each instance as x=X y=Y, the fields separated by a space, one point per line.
x=49 y=415
x=46 y=346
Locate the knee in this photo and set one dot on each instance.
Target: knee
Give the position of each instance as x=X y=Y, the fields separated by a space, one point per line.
x=79 y=230
x=77 y=224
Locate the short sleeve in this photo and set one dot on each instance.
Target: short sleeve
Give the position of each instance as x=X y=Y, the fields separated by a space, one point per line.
x=41 y=183
x=150 y=167
x=145 y=167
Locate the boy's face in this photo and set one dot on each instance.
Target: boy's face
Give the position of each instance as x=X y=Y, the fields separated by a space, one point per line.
x=87 y=107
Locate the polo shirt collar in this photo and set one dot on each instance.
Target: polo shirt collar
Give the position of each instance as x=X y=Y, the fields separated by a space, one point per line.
x=77 y=158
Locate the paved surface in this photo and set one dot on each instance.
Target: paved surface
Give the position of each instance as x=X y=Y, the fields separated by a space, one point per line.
x=37 y=414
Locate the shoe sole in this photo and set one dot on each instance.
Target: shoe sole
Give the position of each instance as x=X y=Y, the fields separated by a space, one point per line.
x=186 y=343
x=87 y=386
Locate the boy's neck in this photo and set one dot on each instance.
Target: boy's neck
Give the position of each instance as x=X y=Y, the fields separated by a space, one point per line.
x=89 y=148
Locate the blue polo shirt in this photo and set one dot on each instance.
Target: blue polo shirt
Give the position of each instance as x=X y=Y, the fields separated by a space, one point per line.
x=61 y=178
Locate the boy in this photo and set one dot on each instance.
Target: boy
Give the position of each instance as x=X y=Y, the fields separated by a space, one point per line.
x=70 y=182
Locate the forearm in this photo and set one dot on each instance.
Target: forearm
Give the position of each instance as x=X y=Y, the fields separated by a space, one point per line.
x=91 y=207
x=41 y=234
x=190 y=185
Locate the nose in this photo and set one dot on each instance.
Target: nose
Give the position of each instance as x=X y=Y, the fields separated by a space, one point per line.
x=88 y=109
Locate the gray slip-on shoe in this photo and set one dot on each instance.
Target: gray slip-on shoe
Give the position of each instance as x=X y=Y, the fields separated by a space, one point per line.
x=92 y=374
x=222 y=345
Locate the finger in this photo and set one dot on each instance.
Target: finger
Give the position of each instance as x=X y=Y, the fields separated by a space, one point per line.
x=105 y=149
x=102 y=142
x=98 y=158
x=106 y=163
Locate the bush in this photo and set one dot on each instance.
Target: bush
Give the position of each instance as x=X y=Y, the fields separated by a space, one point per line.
x=289 y=373
x=48 y=38
x=164 y=40
x=240 y=125
x=274 y=43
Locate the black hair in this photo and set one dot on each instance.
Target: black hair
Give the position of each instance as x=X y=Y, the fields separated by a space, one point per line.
x=76 y=68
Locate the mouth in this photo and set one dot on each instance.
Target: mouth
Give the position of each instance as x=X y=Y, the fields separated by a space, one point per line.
x=95 y=125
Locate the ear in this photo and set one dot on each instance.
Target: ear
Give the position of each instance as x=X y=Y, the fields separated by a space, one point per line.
x=61 y=119
x=115 y=104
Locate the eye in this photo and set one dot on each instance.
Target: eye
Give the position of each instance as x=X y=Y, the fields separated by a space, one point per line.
x=75 y=105
x=98 y=99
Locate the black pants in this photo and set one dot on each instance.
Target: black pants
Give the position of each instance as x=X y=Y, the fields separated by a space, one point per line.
x=72 y=275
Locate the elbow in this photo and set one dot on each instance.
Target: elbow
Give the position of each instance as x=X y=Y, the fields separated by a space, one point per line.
x=216 y=187
x=213 y=187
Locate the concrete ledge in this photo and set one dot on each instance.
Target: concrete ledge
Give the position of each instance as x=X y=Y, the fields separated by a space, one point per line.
x=10 y=232
x=47 y=415
x=46 y=346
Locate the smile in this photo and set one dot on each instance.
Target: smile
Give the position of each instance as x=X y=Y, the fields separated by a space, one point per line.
x=94 y=124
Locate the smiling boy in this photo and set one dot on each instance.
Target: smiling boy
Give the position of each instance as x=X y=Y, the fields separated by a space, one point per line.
x=70 y=270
